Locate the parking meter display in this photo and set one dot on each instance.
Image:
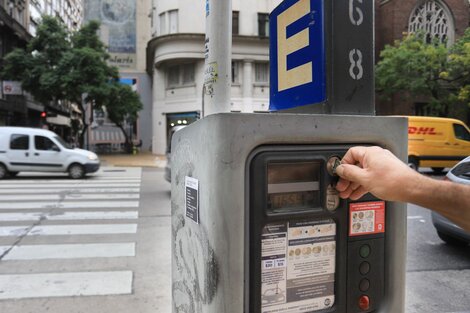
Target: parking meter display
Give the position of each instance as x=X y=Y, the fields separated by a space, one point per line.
x=293 y=185
x=298 y=266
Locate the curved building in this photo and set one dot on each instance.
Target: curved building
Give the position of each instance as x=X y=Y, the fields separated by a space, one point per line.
x=175 y=59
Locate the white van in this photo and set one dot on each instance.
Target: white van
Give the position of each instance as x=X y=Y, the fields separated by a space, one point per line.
x=37 y=150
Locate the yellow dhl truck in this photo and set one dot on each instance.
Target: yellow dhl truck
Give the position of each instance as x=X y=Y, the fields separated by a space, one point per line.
x=436 y=142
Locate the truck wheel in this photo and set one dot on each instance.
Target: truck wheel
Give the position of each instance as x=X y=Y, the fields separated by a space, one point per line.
x=437 y=170
x=76 y=171
x=3 y=171
x=452 y=241
x=413 y=163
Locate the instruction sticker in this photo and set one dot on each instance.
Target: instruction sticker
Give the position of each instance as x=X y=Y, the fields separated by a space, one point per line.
x=298 y=266
x=192 y=198
x=366 y=218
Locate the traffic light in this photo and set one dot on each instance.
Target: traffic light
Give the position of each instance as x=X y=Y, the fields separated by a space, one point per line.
x=43 y=114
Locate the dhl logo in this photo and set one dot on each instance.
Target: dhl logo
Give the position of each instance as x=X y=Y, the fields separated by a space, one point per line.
x=421 y=130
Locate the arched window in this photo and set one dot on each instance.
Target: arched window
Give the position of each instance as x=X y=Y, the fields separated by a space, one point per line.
x=433 y=18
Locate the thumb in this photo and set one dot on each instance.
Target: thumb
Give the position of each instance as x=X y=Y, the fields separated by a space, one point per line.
x=351 y=172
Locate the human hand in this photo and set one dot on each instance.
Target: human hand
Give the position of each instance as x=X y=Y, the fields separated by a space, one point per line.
x=374 y=170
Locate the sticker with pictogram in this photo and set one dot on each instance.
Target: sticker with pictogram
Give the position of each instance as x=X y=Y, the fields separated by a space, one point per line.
x=366 y=218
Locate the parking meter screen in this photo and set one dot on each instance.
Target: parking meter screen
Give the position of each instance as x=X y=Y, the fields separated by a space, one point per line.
x=293 y=185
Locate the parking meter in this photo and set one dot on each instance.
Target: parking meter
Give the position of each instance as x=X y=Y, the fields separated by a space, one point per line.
x=257 y=223
x=259 y=227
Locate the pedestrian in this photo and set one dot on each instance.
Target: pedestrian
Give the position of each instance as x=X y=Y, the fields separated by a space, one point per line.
x=378 y=171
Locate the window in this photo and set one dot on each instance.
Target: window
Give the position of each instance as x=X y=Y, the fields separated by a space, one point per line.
x=173 y=75
x=235 y=72
x=263 y=24
x=181 y=75
x=168 y=22
x=434 y=19
x=173 y=21
x=188 y=74
x=19 y=142
x=424 y=109
x=1 y=46
x=235 y=26
x=262 y=72
x=162 y=18
x=461 y=132
x=43 y=143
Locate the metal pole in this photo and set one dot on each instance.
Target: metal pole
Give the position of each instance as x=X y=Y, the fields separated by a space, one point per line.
x=218 y=57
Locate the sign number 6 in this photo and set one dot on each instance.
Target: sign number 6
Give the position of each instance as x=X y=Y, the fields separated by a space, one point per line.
x=355 y=20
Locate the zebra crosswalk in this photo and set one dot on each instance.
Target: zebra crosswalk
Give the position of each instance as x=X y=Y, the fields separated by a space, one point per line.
x=52 y=222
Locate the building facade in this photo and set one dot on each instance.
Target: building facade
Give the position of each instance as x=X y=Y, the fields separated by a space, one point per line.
x=18 y=24
x=445 y=20
x=175 y=59
x=125 y=30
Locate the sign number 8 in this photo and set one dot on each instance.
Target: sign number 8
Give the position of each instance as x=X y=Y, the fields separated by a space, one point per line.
x=355 y=57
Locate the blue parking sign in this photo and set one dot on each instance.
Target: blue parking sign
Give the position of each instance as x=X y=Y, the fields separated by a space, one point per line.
x=297 y=54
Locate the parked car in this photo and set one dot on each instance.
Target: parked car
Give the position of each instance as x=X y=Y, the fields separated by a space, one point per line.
x=446 y=230
x=436 y=142
x=168 y=151
x=38 y=150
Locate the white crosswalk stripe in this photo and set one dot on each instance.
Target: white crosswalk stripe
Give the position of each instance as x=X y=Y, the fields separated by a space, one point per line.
x=70 y=196
x=49 y=230
x=65 y=284
x=79 y=251
x=82 y=190
x=66 y=216
x=67 y=205
x=69 y=220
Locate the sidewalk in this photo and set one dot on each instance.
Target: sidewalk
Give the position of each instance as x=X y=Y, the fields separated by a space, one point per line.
x=142 y=159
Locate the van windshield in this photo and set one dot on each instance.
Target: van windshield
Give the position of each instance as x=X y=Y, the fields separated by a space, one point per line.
x=63 y=143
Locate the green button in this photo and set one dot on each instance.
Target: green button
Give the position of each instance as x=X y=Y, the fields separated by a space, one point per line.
x=364 y=251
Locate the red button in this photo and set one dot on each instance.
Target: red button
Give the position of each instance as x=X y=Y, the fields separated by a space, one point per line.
x=364 y=303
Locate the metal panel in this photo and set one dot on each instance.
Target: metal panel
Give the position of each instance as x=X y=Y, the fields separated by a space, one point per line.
x=209 y=259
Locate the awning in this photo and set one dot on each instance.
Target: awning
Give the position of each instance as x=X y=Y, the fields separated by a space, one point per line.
x=59 y=120
x=106 y=134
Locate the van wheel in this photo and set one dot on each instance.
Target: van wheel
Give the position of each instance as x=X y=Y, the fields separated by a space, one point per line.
x=437 y=170
x=413 y=163
x=3 y=171
x=76 y=171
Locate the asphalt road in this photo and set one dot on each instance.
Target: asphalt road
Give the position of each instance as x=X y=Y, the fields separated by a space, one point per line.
x=438 y=275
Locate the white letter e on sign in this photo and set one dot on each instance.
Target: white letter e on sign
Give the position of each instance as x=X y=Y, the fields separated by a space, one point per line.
x=302 y=74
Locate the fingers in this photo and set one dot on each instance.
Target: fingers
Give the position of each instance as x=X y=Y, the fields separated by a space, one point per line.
x=358 y=193
x=348 y=189
x=350 y=172
x=354 y=155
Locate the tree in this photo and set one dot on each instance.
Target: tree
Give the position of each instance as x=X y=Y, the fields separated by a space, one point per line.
x=458 y=73
x=36 y=67
x=84 y=71
x=61 y=66
x=415 y=68
x=122 y=105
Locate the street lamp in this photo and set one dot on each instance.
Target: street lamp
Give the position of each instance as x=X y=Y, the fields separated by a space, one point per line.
x=11 y=6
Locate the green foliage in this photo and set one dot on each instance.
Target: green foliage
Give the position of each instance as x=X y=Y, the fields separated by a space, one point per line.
x=59 y=65
x=459 y=67
x=429 y=72
x=122 y=103
x=36 y=67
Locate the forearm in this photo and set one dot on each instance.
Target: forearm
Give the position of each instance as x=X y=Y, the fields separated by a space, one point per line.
x=449 y=199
